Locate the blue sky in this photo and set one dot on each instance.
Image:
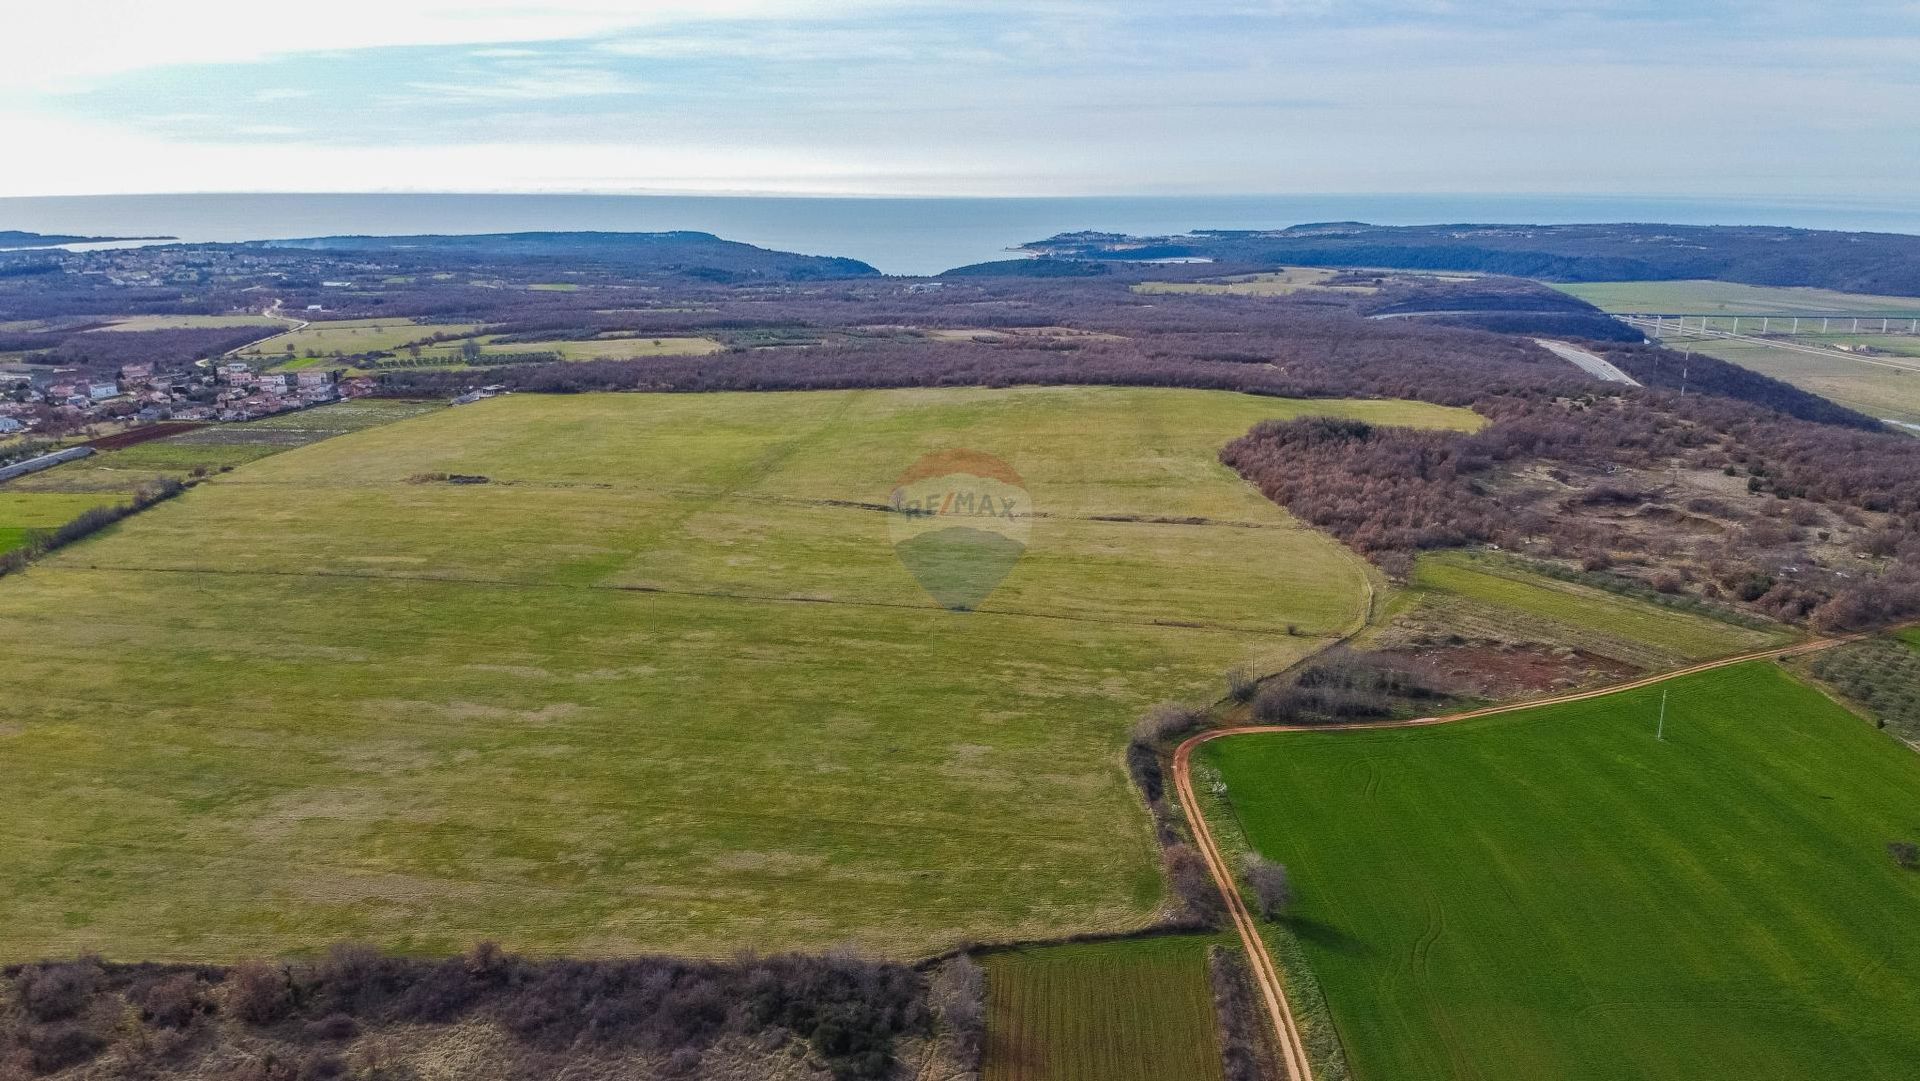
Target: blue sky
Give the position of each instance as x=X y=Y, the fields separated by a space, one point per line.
x=979 y=98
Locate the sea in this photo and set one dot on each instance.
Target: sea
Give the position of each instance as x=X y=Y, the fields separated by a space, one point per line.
x=896 y=235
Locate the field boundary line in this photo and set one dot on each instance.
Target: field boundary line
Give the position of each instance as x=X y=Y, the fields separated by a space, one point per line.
x=1266 y=973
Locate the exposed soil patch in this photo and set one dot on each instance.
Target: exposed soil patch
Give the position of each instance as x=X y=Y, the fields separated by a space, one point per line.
x=1501 y=671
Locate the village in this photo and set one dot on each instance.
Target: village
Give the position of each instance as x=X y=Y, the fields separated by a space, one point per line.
x=39 y=399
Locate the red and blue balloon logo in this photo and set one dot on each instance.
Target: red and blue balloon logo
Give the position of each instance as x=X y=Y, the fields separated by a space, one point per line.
x=960 y=522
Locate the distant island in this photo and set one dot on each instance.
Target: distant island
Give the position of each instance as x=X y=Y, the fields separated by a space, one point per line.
x=15 y=238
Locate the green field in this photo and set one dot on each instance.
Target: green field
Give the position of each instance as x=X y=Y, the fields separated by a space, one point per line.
x=195 y=322
x=1479 y=595
x=119 y=472
x=22 y=512
x=1884 y=387
x=657 y=686
x=1731 y=298
x=585 y=349
x=1283 y=282
x=1138 y=1010
x=349 y=337
x=1555 y=894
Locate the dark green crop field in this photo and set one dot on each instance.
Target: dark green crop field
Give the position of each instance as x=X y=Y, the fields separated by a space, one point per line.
x=1555 y=893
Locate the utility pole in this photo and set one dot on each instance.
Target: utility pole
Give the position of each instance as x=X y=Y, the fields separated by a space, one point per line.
x=1660 y=732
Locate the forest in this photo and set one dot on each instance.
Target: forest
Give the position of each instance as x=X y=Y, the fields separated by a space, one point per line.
x=281 y=1021
x=1755 y=255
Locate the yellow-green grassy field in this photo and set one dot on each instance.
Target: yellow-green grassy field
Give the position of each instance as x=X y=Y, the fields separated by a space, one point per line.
x=657 y=685
x=1731 y=298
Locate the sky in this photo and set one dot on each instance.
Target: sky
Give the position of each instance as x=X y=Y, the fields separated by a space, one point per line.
x=985 y=97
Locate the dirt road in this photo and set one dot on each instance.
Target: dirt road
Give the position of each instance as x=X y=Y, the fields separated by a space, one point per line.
x=1272 y=988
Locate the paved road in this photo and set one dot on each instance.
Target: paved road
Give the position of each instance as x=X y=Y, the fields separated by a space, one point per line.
x=1272 y=988
x=1592 y=363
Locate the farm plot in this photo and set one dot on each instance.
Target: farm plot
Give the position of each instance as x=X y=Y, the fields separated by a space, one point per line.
x=23 y=512
x=1881 y=676
x=658 y=684
x=1731 y=298
x=1284 y=282
x=620 y=348
x=1480 y=596
x=1557 y=893
x=213 y=448
x=192 y=322
x=1887 y=387
x=1139 y=1010
x=351 y=337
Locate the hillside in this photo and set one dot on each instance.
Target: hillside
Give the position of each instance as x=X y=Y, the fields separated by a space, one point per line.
x=693 y=253
x=1755 y=255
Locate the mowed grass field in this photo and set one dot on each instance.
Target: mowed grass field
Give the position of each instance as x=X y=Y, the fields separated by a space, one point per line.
x=1732 y=298
x=1557 y=894
x=653 y=687
x=1136 y=1010
x=1482 y=595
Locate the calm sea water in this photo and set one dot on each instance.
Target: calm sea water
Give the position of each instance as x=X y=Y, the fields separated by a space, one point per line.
x=900 y=236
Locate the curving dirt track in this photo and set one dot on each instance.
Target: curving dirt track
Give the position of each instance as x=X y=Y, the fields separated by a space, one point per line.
x=1272 y=989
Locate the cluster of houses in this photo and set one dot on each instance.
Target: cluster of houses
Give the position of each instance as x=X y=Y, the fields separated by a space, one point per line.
x=34 y=397
x=244 y=393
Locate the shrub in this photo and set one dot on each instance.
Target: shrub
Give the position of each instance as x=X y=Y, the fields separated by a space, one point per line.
x=1906 y=854
x=1342 y=686
x=1143 y=765
x=1165 y=721
x=58 y=1047
x=1235 y=1015
x=1242 y=683
x=958 y=994
x=334 y=1026
x=1277 y=704
x=54 y=992
x=170 y=1001
x=322 y=1066
x=1193 y=885
x=1272 y=891
x=259 y=993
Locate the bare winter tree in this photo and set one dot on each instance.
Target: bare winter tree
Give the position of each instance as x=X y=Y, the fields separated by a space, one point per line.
x=958 y=994
x=1272 y=891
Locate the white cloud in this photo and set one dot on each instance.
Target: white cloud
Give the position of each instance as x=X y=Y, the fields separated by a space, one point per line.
x=959 y=97
x=73 y=41
x=544 y=84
